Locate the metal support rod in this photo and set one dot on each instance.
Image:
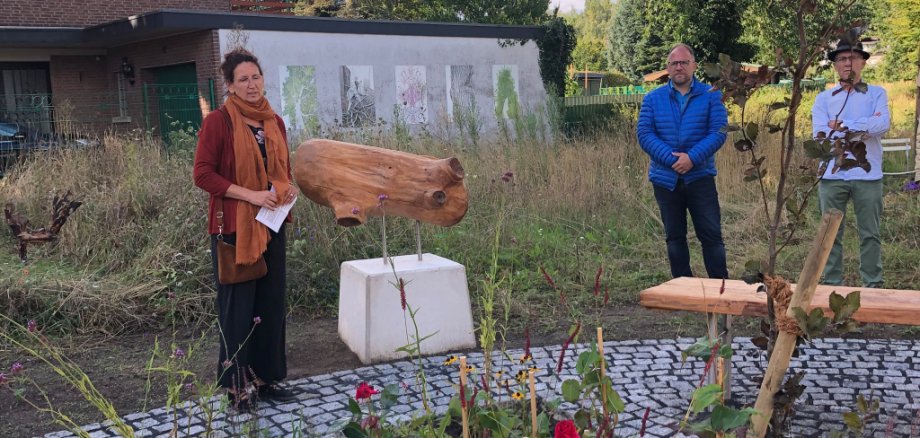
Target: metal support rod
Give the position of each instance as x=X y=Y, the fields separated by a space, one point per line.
x=383 y=237
x=418 y=238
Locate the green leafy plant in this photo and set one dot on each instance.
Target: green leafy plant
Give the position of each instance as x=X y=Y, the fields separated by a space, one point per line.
x=599 y=404
x=856 y=421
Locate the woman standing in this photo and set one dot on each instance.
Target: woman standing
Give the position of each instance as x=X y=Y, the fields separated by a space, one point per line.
x=242 y=161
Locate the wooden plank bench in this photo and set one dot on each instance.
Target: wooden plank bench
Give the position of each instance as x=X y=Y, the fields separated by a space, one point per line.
x=885 y=306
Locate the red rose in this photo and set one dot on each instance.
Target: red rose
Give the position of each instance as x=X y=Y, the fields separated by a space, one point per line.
x=365 y=391
x=566 y=429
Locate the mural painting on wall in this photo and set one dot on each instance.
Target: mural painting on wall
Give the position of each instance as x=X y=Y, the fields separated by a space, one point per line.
x=460 y=98
x=505 y=83
x=298 y=98
x=412 y=94
x=358 y=96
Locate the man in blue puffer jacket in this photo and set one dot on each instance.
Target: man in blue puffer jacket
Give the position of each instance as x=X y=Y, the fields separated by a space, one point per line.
x=680 y=128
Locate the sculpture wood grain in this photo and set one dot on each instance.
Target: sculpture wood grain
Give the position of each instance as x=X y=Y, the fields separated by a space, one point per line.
x=349 y=178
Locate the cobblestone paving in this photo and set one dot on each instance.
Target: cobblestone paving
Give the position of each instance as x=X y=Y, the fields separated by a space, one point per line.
x=646 y=373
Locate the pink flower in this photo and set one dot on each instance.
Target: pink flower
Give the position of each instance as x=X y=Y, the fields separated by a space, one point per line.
x=402 y=293
x=644 y=421
x=382 y=197
x=365 y=391
x=16 y=368
x=32 y=326
x=179 y=353
x=189 y=387
x=257 y=320
x=355 y=210
x=506 y=177
x=597 y=280
x=3 y=378
x=565 y=429
x=566 y=346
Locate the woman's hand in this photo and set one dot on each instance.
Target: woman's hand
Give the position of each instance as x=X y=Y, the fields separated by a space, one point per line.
x=264 y=198
x=291 y=195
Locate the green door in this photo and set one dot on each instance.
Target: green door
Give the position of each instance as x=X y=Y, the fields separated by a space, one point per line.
x=176 y=99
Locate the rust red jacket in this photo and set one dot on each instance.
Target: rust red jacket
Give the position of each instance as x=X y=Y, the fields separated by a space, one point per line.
x=214 y=164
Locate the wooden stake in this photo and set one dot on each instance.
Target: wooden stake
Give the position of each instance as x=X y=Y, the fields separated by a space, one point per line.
x=600 y=350
x=785 y=344
x=463 y=413
x=533 y=402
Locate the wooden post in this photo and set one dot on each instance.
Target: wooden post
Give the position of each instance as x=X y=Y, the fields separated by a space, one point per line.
x=533 y=402
x=785 y=344
x=463 y=413
x=600 y=351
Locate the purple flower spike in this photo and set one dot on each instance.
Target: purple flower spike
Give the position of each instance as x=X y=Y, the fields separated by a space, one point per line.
x=16 y=369
x=257 y=320
x=32 y=325
x=382 y=197
x=912 y=186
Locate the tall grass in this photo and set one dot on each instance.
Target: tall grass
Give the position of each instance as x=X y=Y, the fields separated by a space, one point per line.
x=571 y=206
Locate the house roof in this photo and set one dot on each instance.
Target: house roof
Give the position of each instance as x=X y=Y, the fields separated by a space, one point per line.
x=655 y=76
x=168 y=22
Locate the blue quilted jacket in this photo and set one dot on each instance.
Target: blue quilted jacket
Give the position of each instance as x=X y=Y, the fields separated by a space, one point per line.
x=664 y=129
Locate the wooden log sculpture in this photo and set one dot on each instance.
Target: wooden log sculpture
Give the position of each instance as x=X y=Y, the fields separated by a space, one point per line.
x=351 y=179
x=61 y=208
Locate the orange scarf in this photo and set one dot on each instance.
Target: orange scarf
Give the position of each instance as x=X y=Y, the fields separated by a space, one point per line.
x=252 y=236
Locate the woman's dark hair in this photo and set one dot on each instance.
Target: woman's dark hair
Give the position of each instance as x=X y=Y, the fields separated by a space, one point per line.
x=233 y=59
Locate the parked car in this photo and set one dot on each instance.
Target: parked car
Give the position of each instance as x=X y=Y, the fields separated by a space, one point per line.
x=17 y=140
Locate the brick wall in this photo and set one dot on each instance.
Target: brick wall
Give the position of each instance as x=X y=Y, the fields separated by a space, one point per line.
x=90 y=86
x=80 y=94
x=81 y=13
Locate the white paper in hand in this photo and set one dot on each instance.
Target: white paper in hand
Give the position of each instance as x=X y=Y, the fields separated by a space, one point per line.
x=274 y=218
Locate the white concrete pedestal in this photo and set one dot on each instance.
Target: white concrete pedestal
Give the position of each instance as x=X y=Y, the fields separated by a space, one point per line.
x=371 y=319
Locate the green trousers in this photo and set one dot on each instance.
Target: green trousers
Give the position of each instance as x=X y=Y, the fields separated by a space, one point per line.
x=867 y=203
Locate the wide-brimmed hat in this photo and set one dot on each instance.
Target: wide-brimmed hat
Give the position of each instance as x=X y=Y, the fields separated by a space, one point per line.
x=846 y=46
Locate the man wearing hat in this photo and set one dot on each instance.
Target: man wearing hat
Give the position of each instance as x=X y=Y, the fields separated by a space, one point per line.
x=840 y=109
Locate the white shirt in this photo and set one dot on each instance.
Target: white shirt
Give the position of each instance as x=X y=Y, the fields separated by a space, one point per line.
x=863 y=112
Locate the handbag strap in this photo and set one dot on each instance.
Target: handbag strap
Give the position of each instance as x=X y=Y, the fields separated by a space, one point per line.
x=220 y=200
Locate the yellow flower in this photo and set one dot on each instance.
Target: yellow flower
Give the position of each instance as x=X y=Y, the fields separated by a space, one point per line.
x=517 y=395
x=526 y=358
x=451 y=360
x=498 y=374
x=470 y=368
x=534 y=369
x=521 y=376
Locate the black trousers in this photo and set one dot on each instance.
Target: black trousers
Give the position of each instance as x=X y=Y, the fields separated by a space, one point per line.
x=250 y=350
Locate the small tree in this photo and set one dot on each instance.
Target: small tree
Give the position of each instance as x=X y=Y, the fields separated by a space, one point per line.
x=785 y=208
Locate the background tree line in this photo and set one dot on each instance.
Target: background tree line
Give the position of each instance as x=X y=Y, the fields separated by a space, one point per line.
x=632 y=36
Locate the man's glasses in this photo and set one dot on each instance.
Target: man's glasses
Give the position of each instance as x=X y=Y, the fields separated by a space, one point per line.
x=845 y=59
x=679 y=63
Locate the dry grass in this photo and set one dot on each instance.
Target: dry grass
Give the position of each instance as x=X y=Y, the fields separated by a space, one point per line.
x=139 y=237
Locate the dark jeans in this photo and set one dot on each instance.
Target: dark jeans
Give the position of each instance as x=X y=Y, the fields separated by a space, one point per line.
x=262 y=355
x=701 y=199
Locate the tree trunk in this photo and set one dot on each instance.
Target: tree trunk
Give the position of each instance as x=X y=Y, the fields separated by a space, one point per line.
x=352 y=179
